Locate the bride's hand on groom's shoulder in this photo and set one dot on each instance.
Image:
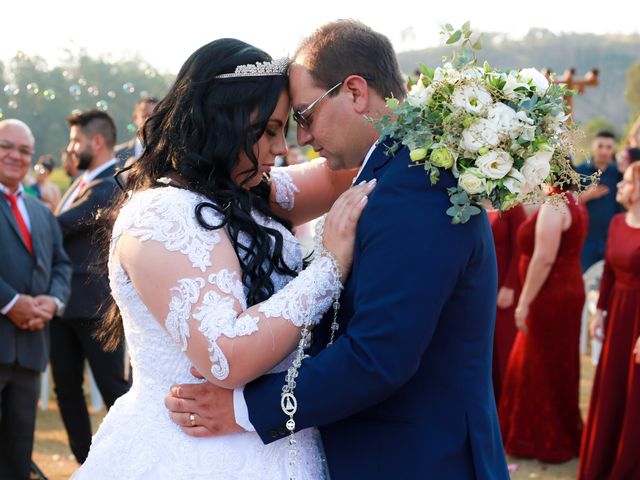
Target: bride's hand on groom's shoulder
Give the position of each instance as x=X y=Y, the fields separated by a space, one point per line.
x=340 y=225
x=202 y=409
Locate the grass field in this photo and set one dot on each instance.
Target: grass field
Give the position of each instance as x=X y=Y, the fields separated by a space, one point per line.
x=53 y=456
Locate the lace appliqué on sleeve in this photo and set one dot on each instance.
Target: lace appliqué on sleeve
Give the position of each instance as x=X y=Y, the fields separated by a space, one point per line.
x=185 y=295
x=167 y=215
x=215 y=313
x=308 y=296
x=285 y=188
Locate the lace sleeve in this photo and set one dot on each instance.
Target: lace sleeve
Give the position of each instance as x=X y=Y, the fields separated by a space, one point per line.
x=204 y=310
x=284 y=188
x=305 y=191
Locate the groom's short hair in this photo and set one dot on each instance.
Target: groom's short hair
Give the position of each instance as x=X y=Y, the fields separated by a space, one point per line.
x=347 y=47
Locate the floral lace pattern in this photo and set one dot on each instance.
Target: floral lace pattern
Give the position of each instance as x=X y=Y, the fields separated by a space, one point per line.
x=309 y=295
x=285 y=188
x=137 y=430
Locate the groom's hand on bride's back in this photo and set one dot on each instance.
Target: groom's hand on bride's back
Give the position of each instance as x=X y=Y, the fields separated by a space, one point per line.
x=202 y=409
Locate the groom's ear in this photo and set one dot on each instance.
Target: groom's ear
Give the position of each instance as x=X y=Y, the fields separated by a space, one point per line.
x=359 y=91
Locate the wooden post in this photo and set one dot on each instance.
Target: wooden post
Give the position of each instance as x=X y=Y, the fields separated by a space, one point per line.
x=568 y=78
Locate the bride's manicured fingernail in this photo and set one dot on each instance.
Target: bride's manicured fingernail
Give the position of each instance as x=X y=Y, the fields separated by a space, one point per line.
x=363 y=182
x=373 y=182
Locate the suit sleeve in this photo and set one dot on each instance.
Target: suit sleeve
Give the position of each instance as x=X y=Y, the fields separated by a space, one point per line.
x=406 y=272
x=7 y=293
x=80 y=218
x=60 y=286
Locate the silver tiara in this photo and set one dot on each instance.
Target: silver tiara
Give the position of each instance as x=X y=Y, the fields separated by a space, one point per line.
x=279 y=66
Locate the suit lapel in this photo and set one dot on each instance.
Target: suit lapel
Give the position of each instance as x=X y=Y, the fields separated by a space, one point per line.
x=71 y=189
x=378 y=159
x=6 y=211
x=36 y=224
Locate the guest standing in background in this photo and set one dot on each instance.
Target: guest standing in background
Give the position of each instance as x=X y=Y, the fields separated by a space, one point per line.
x=538 y=412
x=46 y=191
x=35 y=278
x=601 y=199
x=612 y=435
x=92 y=137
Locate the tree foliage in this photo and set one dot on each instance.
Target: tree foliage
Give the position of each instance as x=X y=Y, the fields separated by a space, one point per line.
x=44 y=97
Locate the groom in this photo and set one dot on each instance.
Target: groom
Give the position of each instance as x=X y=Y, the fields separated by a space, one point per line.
x=405 y=390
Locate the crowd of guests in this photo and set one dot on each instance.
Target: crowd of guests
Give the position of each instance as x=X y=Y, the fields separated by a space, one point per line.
x=53 y=286
x=541 y=296
x=53 y=281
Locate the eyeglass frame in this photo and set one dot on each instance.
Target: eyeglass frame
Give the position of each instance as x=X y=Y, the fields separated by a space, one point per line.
x=299 y=116
x=22 y=150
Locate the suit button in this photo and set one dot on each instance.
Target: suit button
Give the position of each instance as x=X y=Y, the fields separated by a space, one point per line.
x=273 y=434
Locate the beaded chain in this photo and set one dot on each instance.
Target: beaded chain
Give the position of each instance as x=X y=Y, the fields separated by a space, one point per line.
x=288 y=401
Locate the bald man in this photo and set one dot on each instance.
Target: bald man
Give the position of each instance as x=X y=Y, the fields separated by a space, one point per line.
x=35 y=278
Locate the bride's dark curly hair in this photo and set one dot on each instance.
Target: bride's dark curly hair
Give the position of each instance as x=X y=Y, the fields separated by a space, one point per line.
x=195 y=135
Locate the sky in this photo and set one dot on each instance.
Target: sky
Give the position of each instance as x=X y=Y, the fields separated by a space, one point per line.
x=164 y=34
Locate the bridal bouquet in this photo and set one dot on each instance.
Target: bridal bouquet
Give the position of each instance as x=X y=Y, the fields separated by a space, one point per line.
x=502 y=134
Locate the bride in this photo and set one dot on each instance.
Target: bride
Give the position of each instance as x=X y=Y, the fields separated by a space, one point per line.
x=205 y=271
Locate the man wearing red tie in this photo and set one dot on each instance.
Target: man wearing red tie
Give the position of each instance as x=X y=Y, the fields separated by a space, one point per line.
x=92 y=137
x=35 y=275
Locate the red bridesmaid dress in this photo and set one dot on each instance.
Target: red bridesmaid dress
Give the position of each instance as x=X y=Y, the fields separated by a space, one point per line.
x=505 y=230
x=611 y=442
x=539 y=413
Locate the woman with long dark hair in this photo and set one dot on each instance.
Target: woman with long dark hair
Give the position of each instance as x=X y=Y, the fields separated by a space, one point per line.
x=205 y=271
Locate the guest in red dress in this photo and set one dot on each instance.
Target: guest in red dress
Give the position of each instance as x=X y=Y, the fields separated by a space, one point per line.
x=505 y=230
x=611 y=442
x=539 y=414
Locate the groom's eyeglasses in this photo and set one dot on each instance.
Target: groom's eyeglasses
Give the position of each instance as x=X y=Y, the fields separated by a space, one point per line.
x=302 y=117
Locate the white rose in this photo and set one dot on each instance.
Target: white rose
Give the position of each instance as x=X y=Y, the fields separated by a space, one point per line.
x=472 y=182
x=419 y=94
x=472 y=73
x=537 y=79
x=446 y=73
x=524 y=128
x=514 y=181
x=495 y=164
x=481 y=133
x=472 y=98
x=537 y=168
x=513 y=82
x=504 y=117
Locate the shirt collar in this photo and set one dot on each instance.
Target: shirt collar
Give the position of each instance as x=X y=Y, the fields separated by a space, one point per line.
x=89 y=175
x=366 y=158
x=5 y=190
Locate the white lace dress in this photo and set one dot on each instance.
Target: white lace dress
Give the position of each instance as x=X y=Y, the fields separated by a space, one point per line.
x=137 y=439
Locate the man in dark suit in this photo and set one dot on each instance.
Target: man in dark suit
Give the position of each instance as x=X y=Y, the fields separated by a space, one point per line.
x=92 y=137
x=405 y=390
x=130 y=151
x=35 y=275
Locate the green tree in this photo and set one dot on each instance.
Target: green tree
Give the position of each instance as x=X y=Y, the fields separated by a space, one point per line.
x=47 y=96
x=632 y=92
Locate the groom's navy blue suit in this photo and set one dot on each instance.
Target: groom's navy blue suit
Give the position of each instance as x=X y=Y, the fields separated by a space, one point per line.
x=405 y=391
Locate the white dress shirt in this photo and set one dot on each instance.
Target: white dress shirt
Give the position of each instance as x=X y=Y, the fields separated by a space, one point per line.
x=240 y=409
x=22 y=207
x=86 y=179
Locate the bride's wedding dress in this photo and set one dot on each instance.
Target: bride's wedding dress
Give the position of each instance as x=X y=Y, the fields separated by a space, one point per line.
x=207 y=302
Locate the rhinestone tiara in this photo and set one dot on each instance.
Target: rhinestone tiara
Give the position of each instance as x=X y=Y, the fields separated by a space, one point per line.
x=278 y=66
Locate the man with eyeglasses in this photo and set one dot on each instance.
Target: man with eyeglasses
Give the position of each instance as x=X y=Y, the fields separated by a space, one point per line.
x=35 y=276
x=405 y=390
